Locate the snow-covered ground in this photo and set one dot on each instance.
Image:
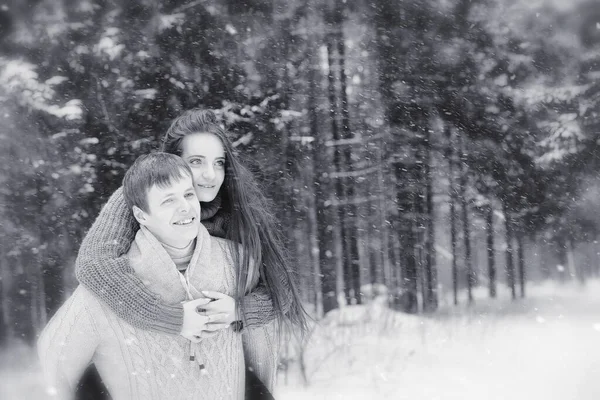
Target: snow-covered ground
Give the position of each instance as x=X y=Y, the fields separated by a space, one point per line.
x=545 y=347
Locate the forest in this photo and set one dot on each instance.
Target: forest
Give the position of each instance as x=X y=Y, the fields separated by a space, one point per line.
x=413 y=149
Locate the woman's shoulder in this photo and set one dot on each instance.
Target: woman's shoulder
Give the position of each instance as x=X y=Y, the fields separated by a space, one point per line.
x=222 y=245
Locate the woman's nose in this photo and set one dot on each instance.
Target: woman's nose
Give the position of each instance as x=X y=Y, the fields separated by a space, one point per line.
x=208 y=173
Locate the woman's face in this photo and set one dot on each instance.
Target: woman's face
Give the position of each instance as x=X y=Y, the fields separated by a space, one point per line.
x=205 y=154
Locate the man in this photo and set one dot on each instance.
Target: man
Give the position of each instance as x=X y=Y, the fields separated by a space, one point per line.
x=175 y=257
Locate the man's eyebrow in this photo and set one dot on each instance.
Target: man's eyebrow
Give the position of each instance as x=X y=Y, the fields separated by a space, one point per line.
x=166 y=196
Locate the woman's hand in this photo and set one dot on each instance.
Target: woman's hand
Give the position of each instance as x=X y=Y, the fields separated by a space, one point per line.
x=220 y=304
x=196 y=325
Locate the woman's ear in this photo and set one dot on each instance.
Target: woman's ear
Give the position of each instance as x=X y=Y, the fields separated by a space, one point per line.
x=139 y=215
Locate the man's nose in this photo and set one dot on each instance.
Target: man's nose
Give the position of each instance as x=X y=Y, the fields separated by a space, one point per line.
x=184 y=206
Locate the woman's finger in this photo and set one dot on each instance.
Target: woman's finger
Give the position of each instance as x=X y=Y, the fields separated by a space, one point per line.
x=216 y=317
x=196 y=339
x=213 y=295
x=214 y=306
x=215 y=327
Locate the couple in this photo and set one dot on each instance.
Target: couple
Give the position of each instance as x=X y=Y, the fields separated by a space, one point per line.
x=170 y=308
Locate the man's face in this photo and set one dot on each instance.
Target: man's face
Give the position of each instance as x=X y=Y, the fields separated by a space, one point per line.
x=173 y=212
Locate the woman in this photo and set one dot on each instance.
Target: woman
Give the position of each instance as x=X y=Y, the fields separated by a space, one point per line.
x=232 y=207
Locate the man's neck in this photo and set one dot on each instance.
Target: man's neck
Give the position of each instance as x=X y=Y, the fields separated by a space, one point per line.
x=181 y=256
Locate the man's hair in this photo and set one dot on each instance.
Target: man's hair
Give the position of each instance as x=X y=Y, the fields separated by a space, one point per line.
x=159 y=169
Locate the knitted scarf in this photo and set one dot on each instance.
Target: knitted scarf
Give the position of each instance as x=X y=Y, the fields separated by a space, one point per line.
x=214 y=218
x=152 y=264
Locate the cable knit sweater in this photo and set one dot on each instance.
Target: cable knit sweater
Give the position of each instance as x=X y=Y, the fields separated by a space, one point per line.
x=102 y=268
x=140 y=364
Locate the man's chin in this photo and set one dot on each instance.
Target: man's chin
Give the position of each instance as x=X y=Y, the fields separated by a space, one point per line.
x=186 y=237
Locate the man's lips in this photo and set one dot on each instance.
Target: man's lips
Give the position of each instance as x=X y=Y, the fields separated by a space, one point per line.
x=186 y=221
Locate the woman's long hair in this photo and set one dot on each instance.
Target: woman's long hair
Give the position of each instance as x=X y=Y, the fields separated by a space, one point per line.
x=251 y=222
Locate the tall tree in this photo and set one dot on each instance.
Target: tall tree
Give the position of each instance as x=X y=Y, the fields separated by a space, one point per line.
x=466 y=224
x=491 y=259
x=452 y=200
x=521 y=257
x=510 y=266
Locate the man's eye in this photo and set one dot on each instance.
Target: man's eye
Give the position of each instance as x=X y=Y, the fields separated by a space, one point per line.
x=167 y=201
x=188 y=195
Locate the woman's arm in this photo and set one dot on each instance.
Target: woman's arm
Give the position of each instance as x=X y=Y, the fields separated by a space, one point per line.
x=103 y=268
x=258 y=305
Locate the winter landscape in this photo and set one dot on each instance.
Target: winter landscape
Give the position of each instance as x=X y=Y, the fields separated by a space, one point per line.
x=544 y=348
x=428 y=168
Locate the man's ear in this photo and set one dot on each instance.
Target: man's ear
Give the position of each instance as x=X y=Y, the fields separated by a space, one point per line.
x=139 y=215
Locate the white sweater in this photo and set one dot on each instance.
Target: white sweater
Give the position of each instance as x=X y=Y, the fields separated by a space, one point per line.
x=136 y=364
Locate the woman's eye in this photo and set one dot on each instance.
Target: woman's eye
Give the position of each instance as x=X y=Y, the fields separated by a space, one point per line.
x=220 y=163
x=195 y=161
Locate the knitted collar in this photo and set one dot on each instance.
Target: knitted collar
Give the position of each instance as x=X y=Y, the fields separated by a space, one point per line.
x=209 y=209
x=156 y=269
x=180 y=256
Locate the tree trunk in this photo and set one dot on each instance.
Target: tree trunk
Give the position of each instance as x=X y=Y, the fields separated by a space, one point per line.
x=351 y=222
x=338 y=162
x=21 y=301
x=396 y=263
x=543 y=264
x=313 y=243
x=52 y=278
x=563 y=259
x=574 y=271
x=3 y=299
x=510 y=268
x=489 y=228
x=521 y=255
x=326 y=218
x=41 y=300
x=465 y=221
x=408 y=240
x=407 y=170
x=381 y=210
x=596 y=257
x=327 y=246
x=430 y=272
x=452 y=199
x=313 y=234
x=334 y=17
